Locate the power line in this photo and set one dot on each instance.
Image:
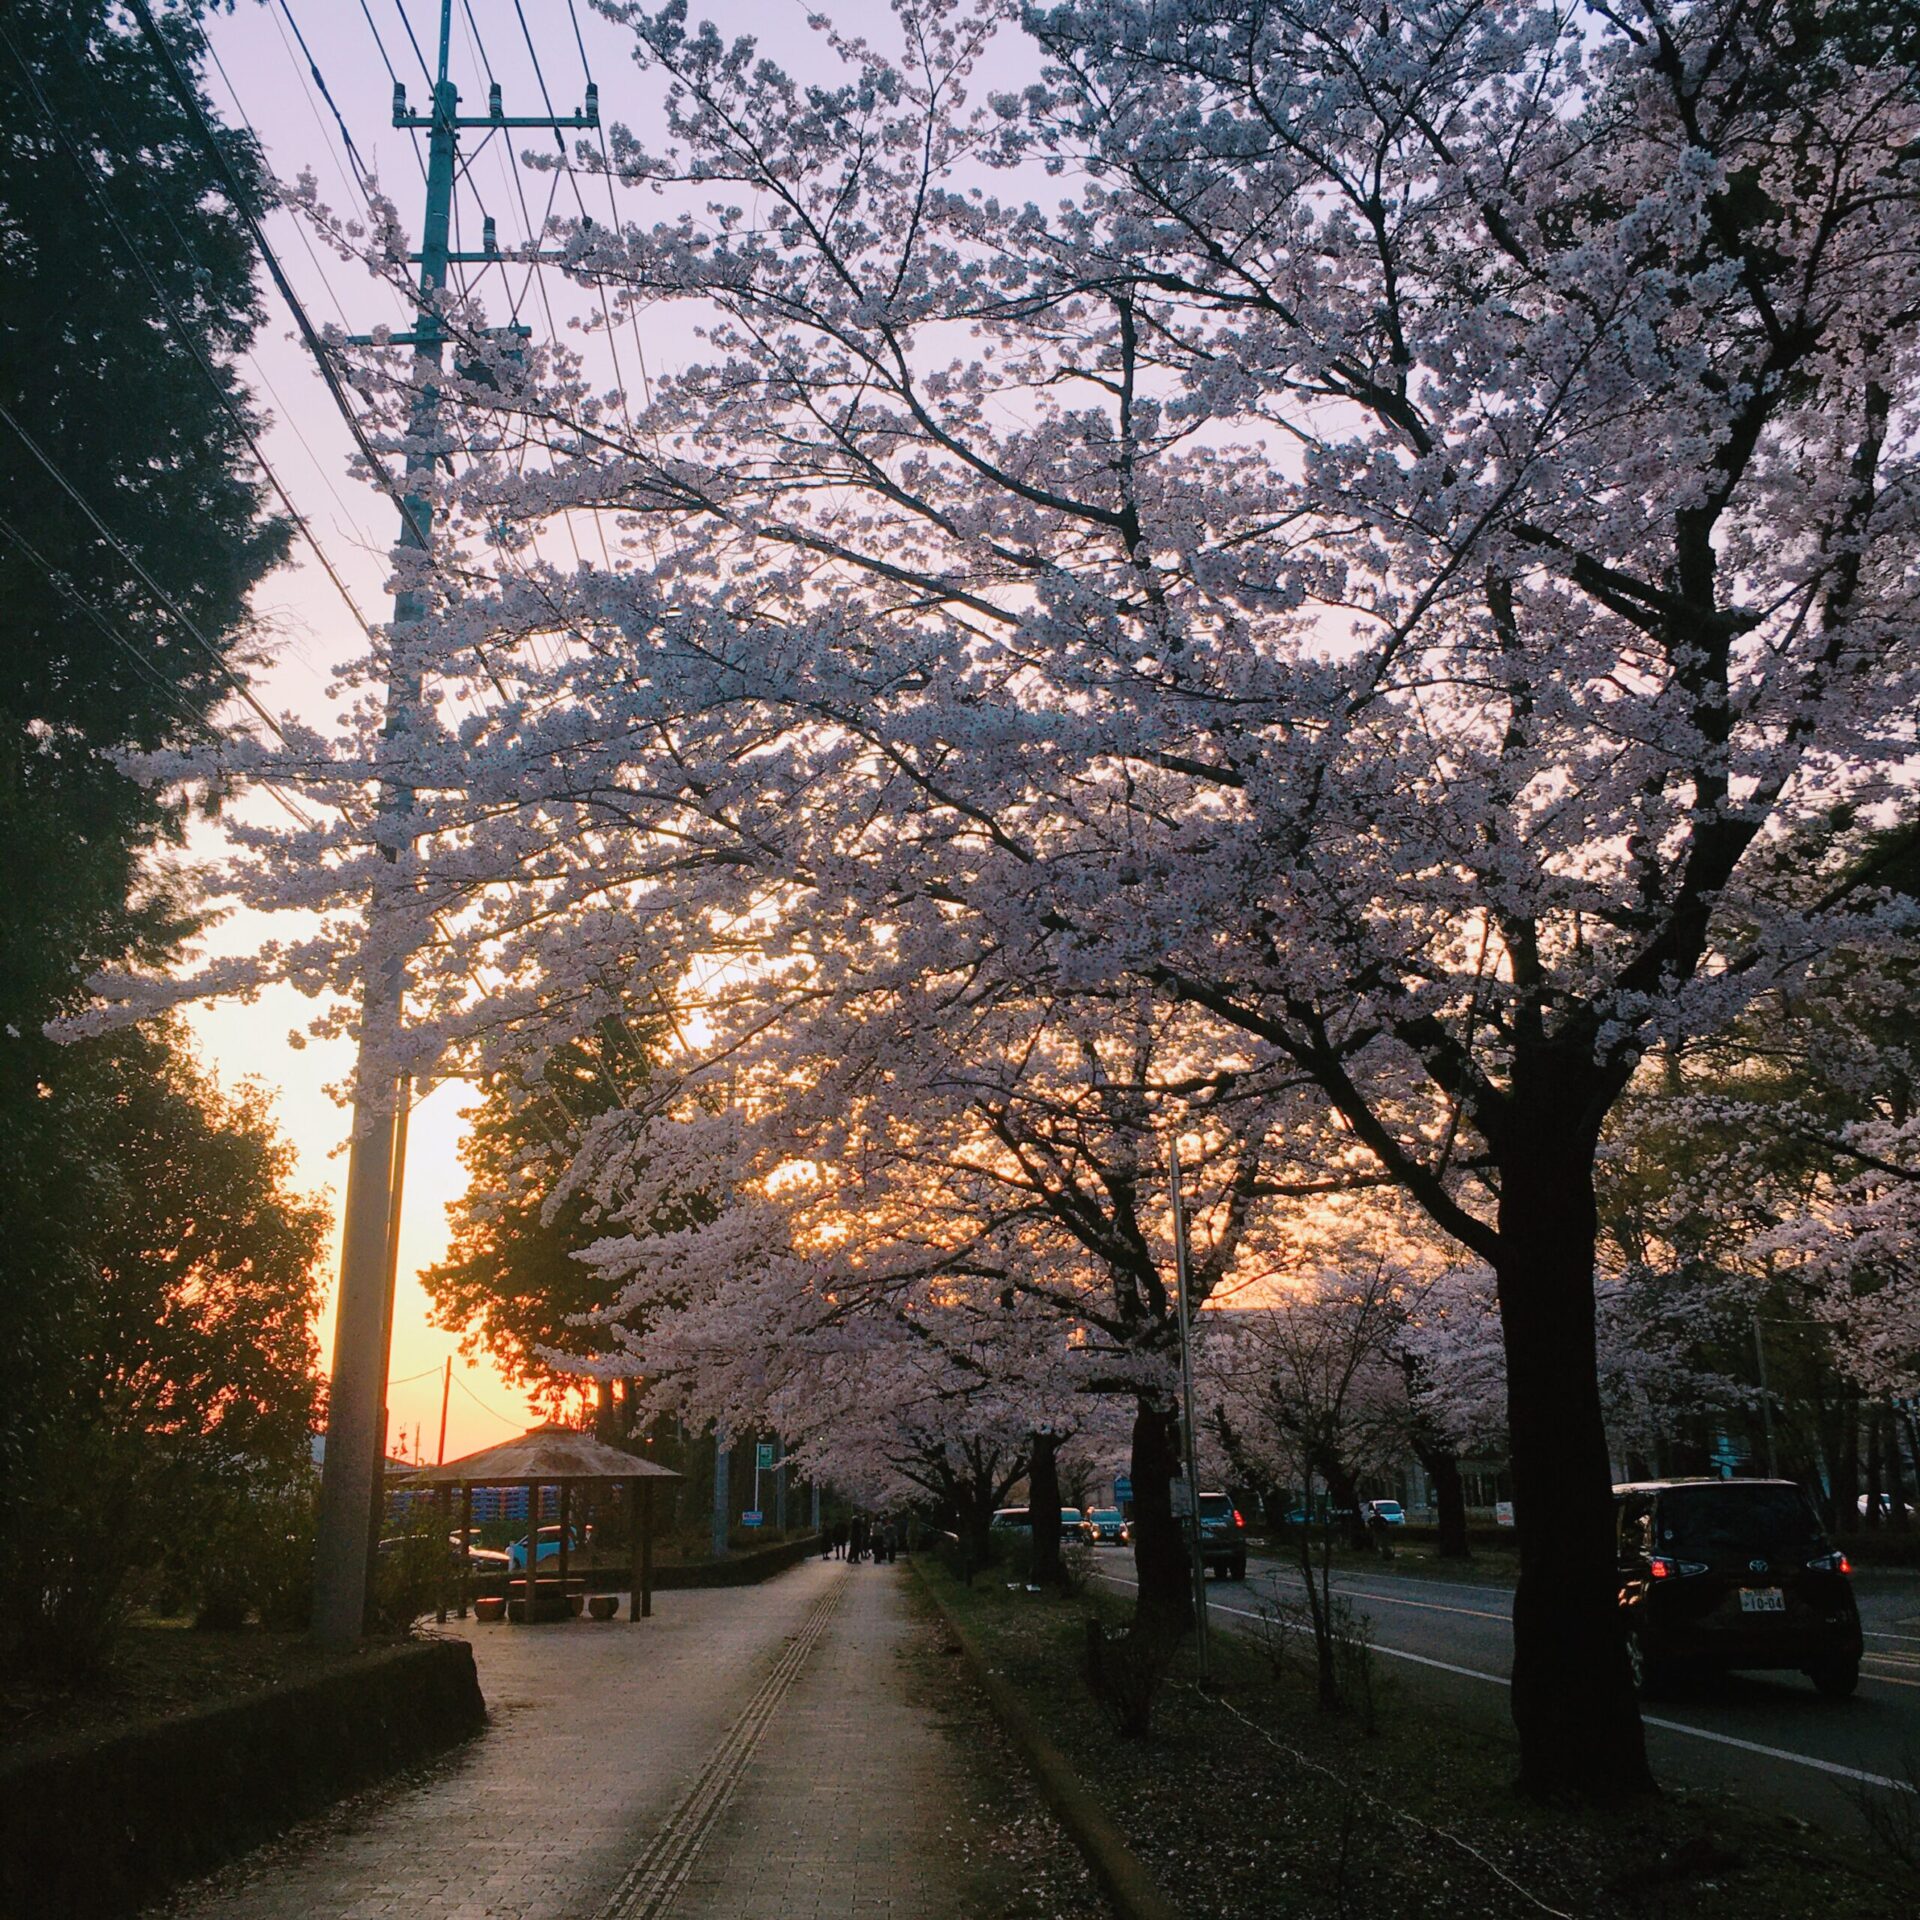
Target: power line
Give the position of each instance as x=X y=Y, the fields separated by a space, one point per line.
x=153 y=586
x=320 y=81
x=508 y=1419
x=184 y=91
x=96 y=188
x=426 y=72
x=613 y=205
x=169 y=689
x=367 y=15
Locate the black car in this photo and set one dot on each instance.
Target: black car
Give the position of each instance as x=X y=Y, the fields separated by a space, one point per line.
x=1719 y=1574
x=1223 y=1536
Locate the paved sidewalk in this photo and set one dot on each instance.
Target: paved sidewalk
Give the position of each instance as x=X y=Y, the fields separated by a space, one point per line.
x=755 y=1753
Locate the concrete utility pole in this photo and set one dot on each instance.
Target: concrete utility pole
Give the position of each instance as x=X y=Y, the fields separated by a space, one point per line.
x=352 y=1472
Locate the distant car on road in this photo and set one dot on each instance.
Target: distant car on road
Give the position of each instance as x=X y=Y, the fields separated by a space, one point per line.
x=1104 y=1526
x=1223 y=1536
x=1389 y=1513
x=1723 y=1574
x=1006 y=1519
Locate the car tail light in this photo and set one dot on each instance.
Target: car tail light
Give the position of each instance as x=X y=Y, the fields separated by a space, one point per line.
x=1663 y=1566
x=1237 y=1521
x=1834 y=1562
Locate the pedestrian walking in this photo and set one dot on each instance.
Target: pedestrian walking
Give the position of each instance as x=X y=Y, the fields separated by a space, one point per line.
x=857 y=1546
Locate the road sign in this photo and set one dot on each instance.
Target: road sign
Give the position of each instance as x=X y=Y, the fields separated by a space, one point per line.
x=1122 y=1489
x=763 y=1454
x=749 y=1519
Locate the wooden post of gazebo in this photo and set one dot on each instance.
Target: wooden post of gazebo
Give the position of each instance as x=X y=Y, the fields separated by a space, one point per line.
x=533 y=1548
x=443 y=1513
x=566 y=1546
x=466 y=1546
x=640 y=1524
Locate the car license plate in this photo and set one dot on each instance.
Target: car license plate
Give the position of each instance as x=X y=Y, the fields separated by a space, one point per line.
x=1762 y=1600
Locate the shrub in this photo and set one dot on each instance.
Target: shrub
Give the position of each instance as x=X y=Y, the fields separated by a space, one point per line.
x=409 y=1574
x=1125 y=1672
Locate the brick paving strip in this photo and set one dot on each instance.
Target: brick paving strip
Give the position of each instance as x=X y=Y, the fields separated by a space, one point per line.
x=654 y=1880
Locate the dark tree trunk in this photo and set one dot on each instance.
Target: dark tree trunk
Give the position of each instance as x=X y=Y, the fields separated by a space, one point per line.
x=1343 y=1490
x=1573 y=1701
x=1896 y=1473
x=1875 y=1480
x=1165 y=1597
x=973 y=1521
x=605 y=1415
x=1442 y=1468
x=1846 y=1465
x=1043 y=1509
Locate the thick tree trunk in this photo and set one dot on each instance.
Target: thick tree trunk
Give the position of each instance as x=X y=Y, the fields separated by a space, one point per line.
x=1876 y=1485
x=1165 y=1596
x=973 y=1521
x=1573 y=1701
x=1846 y=1466
x=1442 y=1469
x=1343 y=1490
x=1043 y=1509
x=1896 y=1473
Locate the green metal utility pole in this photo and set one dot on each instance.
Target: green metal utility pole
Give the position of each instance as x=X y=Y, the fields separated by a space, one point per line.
x=352 y=1474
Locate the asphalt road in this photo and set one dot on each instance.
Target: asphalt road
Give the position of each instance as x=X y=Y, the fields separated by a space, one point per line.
x=1767 y=1735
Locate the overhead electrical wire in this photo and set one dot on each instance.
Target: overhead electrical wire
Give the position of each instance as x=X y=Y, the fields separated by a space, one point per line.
x=600 y=290
x=367 y=14
x=169 y=689
x=426 y=71
x=360 y=171
x=91 y=182
x=138 y=568
x=613 y=205
x=242 y=201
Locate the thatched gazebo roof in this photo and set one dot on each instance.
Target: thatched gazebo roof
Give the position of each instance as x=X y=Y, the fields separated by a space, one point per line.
x=549 y=1456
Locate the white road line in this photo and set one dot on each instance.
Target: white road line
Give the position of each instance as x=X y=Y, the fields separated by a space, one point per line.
x=1872 y=1635
x=1447 y=1586
x=1646 y=1719
x=1425 y=1606
x=1781 y=1753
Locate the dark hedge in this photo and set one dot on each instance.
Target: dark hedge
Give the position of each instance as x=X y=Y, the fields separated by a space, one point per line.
x=104 y=1828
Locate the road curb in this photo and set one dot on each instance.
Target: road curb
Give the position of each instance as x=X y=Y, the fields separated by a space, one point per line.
x=1129 y=1887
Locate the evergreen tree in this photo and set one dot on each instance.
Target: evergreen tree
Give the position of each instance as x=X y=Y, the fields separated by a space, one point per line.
x=132 y=528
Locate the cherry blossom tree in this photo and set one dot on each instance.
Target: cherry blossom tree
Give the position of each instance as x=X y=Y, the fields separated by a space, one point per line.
x=1404 y=564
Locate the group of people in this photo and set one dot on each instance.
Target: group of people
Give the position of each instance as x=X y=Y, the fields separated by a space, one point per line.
x=860 y=1538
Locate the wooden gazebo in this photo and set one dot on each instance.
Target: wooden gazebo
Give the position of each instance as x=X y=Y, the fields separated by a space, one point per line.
x=557 y=1456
